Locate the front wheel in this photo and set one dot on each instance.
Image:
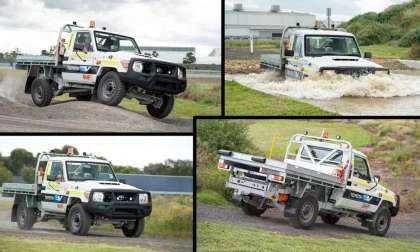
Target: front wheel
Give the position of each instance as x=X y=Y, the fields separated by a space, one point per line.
x=79 y=220
x=381 y=222
x=111 y=90
x=163 y=109
x=42 y=92
x=26 y=217
x=134 y=228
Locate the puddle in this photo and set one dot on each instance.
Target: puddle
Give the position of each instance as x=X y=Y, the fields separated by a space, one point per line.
x=380 y=94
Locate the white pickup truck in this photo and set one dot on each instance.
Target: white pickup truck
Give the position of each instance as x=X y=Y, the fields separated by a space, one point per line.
x=306 y=51
x=318 y=176
x=95 y=62
x=79 y=191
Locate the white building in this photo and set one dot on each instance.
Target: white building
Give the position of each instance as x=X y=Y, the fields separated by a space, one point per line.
x=242 y=23
x=172 y=54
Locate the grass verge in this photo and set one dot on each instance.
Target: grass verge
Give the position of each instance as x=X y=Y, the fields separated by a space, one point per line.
x=211 y=236
x=243 y=101
x=386 y=51
x=212 y=198
x=13 y=244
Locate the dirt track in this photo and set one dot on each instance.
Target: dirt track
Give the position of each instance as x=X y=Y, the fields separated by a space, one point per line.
x=18 y=114
x=402 y=226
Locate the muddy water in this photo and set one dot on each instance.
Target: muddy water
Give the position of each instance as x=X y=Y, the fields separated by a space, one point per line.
x=380 y=94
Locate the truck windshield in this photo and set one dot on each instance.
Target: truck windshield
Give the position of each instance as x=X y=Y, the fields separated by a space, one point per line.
x=316 y=46
x=108 y=42
x=80 y=171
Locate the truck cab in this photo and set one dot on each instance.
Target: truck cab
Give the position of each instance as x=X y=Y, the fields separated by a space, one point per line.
x=79 y=191
x=306 y=52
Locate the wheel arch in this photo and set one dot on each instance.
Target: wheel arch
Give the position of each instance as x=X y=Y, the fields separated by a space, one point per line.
x=71 y=202
x=101 y=73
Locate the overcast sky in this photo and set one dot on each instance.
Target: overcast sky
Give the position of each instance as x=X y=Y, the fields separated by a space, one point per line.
x=120 y=150
x=342 y=10
x=33 y=25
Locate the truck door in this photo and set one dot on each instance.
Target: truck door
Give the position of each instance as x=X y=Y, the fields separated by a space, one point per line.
x=80 y=67
x=294 y=64
x=360 y=194
x=54 y=188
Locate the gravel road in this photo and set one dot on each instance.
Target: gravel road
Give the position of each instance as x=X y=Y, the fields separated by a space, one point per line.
x=52 y=231
x=18 y=114
x=402 y=226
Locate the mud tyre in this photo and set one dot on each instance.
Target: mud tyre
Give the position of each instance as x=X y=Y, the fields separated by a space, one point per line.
x=78 y=220
x=306 y=212
x=134 y=229
x=251 y=210
x=26 y=217
x=41 y=92
x=111 y=90
x=381 y=222
x=164 y=109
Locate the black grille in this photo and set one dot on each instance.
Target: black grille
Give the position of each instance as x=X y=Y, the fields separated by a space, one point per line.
x=254 y=176
x=120 y=197
x=165 y=70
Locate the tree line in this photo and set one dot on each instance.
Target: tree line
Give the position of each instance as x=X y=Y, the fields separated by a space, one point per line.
x=22 y=163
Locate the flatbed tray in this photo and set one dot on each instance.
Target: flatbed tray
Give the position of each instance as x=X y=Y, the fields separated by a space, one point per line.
x=31 y=60
x=18 y=188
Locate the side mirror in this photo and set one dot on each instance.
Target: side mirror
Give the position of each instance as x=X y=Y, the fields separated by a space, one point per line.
x=377 y=178
x=51 y=178
x=368 y=55
x=289 y=53
x=123 y=181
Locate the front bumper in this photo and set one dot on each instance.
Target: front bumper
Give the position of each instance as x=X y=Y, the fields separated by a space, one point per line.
x=166 y=82
x=118 y=210
x=354 y=71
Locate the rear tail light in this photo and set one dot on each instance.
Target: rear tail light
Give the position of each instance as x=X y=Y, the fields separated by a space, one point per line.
x=282 y=197
x=222 y=165
x=276 y=178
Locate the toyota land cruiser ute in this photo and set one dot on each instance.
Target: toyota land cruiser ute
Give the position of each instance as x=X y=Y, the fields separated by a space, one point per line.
x=305 y=52
x=79 y=191
x=318 y=176
x=95 y=62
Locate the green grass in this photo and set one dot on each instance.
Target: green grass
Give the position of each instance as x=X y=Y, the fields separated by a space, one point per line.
x=386 y=51
x=260 y=44
x=215 y=236
x=212 y=198
x=12 y=72
x=14 y=244
x=205 y=93
x=244 y=101
x=262 y=131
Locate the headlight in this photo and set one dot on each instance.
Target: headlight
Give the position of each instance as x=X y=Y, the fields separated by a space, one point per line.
x=143 y=198
x=98 y=196
x=138 y=67
x=180 y=73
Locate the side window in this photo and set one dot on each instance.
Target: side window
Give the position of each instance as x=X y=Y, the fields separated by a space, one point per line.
x=361 y=169
x=57 y=171
x=83 y=42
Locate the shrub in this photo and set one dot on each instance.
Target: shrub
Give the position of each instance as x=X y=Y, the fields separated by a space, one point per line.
x=415 y=51
x=411 y=37
x=28 y=174
x=374 y=33
x=5 y=174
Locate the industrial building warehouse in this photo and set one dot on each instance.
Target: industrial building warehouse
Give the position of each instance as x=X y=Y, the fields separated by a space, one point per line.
x=242 y=23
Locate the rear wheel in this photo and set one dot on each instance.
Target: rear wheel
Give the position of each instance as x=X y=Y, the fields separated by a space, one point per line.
x=42 y=92
x=251 y=210
x=306 y=212
x=134 y=228
x=26 y=217
x=79 y=220
x=163 y=109
x=381 y=222
x=329 y=218
x=111 y=90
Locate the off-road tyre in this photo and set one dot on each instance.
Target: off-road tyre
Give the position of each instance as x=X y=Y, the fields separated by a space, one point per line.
x=306 y=211
x=164 y=110
x=329 y=218
x=26 y=217
x=134 y=229
x=111 y=90
x=381 y=222
x=251 y=210
x=78 y=220
x=41 y=92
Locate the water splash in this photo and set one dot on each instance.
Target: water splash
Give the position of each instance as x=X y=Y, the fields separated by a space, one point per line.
x=330 y=85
